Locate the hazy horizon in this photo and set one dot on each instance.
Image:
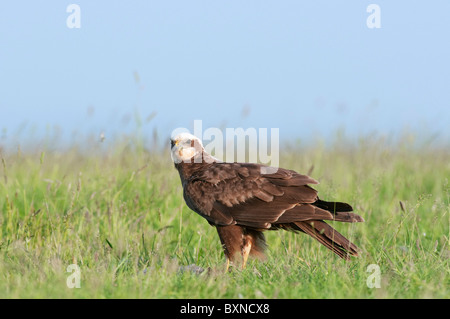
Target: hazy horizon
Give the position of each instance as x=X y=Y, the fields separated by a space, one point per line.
x=309 y=69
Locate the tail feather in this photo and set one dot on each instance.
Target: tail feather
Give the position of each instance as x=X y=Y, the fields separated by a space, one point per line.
x=328 y=237
x=340 y=211
x=333 y=206
x=348 y=217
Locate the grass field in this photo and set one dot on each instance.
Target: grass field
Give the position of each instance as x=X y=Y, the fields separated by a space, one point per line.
x=117 y=213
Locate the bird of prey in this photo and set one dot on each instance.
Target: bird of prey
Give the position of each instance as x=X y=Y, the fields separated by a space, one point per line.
x=242 y=201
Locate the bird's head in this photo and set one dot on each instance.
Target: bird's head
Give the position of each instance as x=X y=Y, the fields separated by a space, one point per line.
x=184 y=147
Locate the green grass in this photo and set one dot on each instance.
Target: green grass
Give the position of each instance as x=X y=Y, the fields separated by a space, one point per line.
x=119 y=215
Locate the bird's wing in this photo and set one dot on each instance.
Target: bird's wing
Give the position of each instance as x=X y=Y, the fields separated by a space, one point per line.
x=238 y=193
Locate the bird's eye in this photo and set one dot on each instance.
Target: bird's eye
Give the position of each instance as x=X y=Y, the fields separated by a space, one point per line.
x=172 y=144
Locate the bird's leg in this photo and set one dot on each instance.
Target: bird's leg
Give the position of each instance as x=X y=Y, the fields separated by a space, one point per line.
x=227 y=265
x=246 y=251
x=231 y=239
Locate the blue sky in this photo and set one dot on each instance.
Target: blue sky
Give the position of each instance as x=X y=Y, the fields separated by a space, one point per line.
x=305 y=67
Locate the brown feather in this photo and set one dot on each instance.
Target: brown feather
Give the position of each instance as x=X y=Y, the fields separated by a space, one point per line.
x=304 y=212
x=328 y=237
